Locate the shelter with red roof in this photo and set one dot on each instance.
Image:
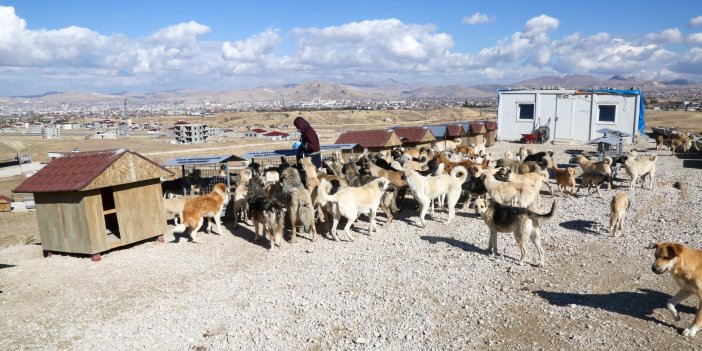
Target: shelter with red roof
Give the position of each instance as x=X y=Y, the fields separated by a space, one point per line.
x=373 y=140
x=91 y=202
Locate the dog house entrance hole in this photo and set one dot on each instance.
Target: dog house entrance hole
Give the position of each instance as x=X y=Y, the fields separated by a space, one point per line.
x=110 y=213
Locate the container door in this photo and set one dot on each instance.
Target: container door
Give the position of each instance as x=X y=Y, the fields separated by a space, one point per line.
x=564 y=119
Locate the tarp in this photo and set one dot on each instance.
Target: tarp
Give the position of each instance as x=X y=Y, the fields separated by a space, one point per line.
x=642 y=109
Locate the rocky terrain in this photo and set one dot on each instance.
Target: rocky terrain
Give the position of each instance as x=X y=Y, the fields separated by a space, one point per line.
x=404 y=288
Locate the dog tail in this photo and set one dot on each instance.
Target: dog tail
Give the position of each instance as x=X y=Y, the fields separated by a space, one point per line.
x=322 y=192
x=607 y=160
x=459 y=172
x=546 y=216
x=509 y=155
x=653 y=157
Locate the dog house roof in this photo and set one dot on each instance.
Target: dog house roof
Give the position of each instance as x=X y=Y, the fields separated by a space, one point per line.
x=414 y=134
x=81 y=171
x=455 y=130
x=370 y=138
x=4 y=199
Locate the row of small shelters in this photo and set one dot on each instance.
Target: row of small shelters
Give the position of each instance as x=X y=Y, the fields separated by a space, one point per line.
x=416 y=137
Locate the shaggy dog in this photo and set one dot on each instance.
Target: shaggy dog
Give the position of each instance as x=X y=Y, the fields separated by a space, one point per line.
x=618 y=207
x=588 y=166
x=640 y=168
x=266 y=212
x=298 y=201
x=565 y=178
x=426 y=189
x=685 y=265
x=197 y=209
x=350 y=202
x=520 y=221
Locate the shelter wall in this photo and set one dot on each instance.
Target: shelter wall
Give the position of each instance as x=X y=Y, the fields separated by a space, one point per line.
x=140 y=212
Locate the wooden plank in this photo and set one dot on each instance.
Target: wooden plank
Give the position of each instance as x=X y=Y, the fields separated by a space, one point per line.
x=76 y=234
x=95 y=220
x=49 y=222
x=140 y=210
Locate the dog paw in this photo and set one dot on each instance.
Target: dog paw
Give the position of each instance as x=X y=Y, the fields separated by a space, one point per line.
x=689 y=332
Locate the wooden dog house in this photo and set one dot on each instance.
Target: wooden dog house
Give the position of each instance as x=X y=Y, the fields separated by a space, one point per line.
x=5 y=203
x=374 y=140
x=415 y=137
x=92 y=202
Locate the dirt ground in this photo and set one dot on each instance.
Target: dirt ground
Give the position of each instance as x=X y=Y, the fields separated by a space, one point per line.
x=403 y=288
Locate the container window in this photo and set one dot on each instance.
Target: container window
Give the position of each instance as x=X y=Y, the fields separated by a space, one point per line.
x=526 y=111
x=607 y=113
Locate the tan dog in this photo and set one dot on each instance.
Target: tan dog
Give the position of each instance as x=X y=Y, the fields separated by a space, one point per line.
x=531 y=178
x=520 y=221
x=640 y=168
x=240 y=195
x=659 y=142
x=301 y=211
x=565 y=178
x=618 y=207
x=174 y=206
x=353 y=201
x=516 y=194
x=685 y=265
x=446 y=145
x=588 y=166
x=209 y=205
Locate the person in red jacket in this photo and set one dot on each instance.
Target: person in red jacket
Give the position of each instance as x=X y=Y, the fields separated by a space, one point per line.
x=308 y=146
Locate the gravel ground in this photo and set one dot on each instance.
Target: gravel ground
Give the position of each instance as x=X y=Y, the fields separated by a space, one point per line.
x=403 y=288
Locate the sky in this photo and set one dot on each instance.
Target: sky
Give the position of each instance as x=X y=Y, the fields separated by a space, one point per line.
x=147 y=46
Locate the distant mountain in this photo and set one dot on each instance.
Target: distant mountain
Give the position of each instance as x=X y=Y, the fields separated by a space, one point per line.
x=679 y=82
x=356 y=90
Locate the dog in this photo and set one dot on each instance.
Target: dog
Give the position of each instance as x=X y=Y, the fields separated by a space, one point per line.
x=594 y=178
x=240 y=192
x=685 y=265
x=301 y=209
x=588 y=166
x=349 y=202
x=565 y=178
x=446 y=145
x=174 y=206
x=640 y=168
x=659 y=142
x=265 y=212
x=682 y=143
x=426 y=189
x=520 y=221
x=516 y=194
x=618 y=207
x=524 y=152
x=531 y=178
x=205 y=206
x=539 y=156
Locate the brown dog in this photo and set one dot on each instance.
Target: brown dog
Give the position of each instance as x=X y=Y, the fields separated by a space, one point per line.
x=209 y=205
x=565 y=178
x=685 y=265
x=618 y=206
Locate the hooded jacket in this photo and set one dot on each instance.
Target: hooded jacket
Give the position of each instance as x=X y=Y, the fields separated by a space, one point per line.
x=309 y=139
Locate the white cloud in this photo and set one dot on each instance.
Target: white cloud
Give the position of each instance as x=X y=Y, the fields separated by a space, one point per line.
x=252 y=48
x=695 y=21
x=477 y=18
x=695 y=38
x=670 y=35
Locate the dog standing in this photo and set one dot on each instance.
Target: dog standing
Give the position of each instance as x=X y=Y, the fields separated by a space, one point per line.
x=426 y=189
x=520 y=221
x=685 y=265
x=640 y=168
x=266 y=212
x=593 y=178
x=565 y=178
x=588 y=166
x=353 y=201
x=618 y=206
x=201 y=207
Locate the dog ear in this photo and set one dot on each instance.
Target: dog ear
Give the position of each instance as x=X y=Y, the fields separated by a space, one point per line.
x=675 y=249
x=654 y=245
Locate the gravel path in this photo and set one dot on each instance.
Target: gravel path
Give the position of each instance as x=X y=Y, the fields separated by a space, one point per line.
x=402 y=288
